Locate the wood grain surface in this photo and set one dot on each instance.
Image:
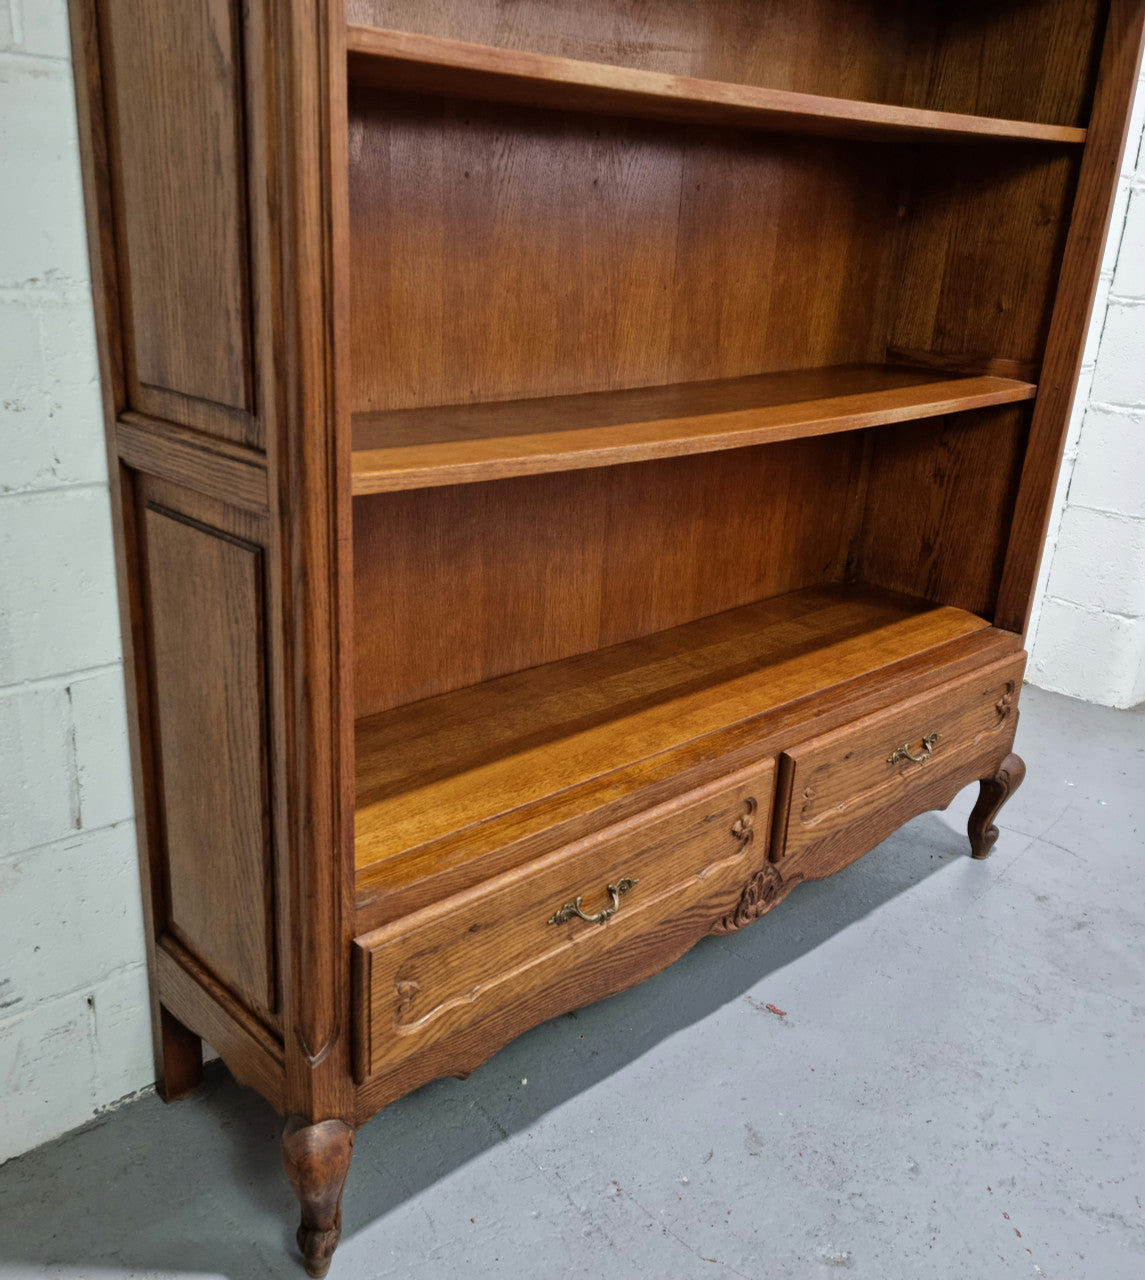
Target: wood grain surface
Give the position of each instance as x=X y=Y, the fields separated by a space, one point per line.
x=174 y=74
x=401 y=60
x=232 y=473
x=982 y=242
x=427 y=976
x=585 y=274
x=454 y=762
x=209 y=696
x=503 y=253
x=993 y=793
x=1076 y=287
x=316 y=1158
x=254 y=1055
x=457 y=585
x=938 y=506
x=460 y=444
x=841 y=793
x=971 y=57
x=461 y=859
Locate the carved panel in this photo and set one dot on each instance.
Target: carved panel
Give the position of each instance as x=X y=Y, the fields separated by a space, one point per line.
x=589 y=916
x=204 y=597
x=844 y=791
x=174 y=78
x=765 y=890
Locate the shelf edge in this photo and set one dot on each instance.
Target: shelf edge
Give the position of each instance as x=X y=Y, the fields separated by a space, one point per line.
x=370 y=475
x=399 y=60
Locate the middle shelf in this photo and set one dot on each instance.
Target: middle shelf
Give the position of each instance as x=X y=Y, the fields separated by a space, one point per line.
x=459 y=444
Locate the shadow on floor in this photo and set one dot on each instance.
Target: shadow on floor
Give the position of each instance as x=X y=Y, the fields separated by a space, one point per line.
x=197 y=1188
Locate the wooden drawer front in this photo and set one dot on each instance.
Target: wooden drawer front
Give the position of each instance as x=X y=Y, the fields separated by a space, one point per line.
x=496 y=948
x=845 y=791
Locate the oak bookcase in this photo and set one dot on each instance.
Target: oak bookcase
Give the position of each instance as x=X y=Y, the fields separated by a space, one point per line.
x=579 y=471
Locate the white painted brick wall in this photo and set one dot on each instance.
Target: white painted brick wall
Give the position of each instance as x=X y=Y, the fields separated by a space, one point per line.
x=74 y=1026
x=1087 y=636
x=74 y=1022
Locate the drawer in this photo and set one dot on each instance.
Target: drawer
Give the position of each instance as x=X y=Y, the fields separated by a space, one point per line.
x=494 y=960
x=843 y=792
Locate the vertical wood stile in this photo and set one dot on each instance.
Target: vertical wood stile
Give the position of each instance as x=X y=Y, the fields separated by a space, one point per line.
x=1077 y=286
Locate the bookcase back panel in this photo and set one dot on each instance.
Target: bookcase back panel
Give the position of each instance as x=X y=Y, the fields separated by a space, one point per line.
x=983 y=239
x=503 y=253
x=457 y=585
x=854 y=49
x=1014 y=59
x=939 y=503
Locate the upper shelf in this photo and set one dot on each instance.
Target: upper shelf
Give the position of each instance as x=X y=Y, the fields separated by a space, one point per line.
x=431 y=64
x=459 y=444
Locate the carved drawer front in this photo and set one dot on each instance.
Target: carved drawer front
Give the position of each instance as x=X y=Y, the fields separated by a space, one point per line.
x=519 y=948
x=843 y=792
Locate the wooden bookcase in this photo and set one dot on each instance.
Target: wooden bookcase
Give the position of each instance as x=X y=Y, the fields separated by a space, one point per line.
x=579 y=471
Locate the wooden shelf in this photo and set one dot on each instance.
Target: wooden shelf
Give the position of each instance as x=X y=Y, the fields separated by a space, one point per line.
x=429 y=64
x=561 y=732
x=459 y=444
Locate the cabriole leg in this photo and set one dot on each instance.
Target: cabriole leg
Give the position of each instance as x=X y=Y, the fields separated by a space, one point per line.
x=993 y=794
x=317 y=1159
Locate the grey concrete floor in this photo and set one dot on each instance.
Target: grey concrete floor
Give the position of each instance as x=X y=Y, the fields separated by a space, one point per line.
x=955 y=1089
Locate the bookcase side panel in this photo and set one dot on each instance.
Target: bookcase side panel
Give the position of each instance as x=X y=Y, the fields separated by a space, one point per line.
x=173 y=80
x=938 y=505
x=203 y=603
x=204 y=130
x=1076 y=289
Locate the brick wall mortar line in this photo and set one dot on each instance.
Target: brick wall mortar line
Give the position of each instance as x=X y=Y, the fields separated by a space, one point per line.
x=7 y=1024
x=60 y=680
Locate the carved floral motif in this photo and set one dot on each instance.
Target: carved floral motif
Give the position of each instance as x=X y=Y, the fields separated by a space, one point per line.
x=766 y=889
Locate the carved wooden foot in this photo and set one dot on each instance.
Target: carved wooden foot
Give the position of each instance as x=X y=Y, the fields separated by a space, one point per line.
x=992 y=795
x=178 y=1058
x=317 y=1159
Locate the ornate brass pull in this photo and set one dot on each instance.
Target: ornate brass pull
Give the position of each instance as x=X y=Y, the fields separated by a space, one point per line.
x=904 y=753
x=571 y=910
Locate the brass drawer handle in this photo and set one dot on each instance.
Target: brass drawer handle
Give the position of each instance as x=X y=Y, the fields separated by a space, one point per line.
x=571 y=910
x=904 y=753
